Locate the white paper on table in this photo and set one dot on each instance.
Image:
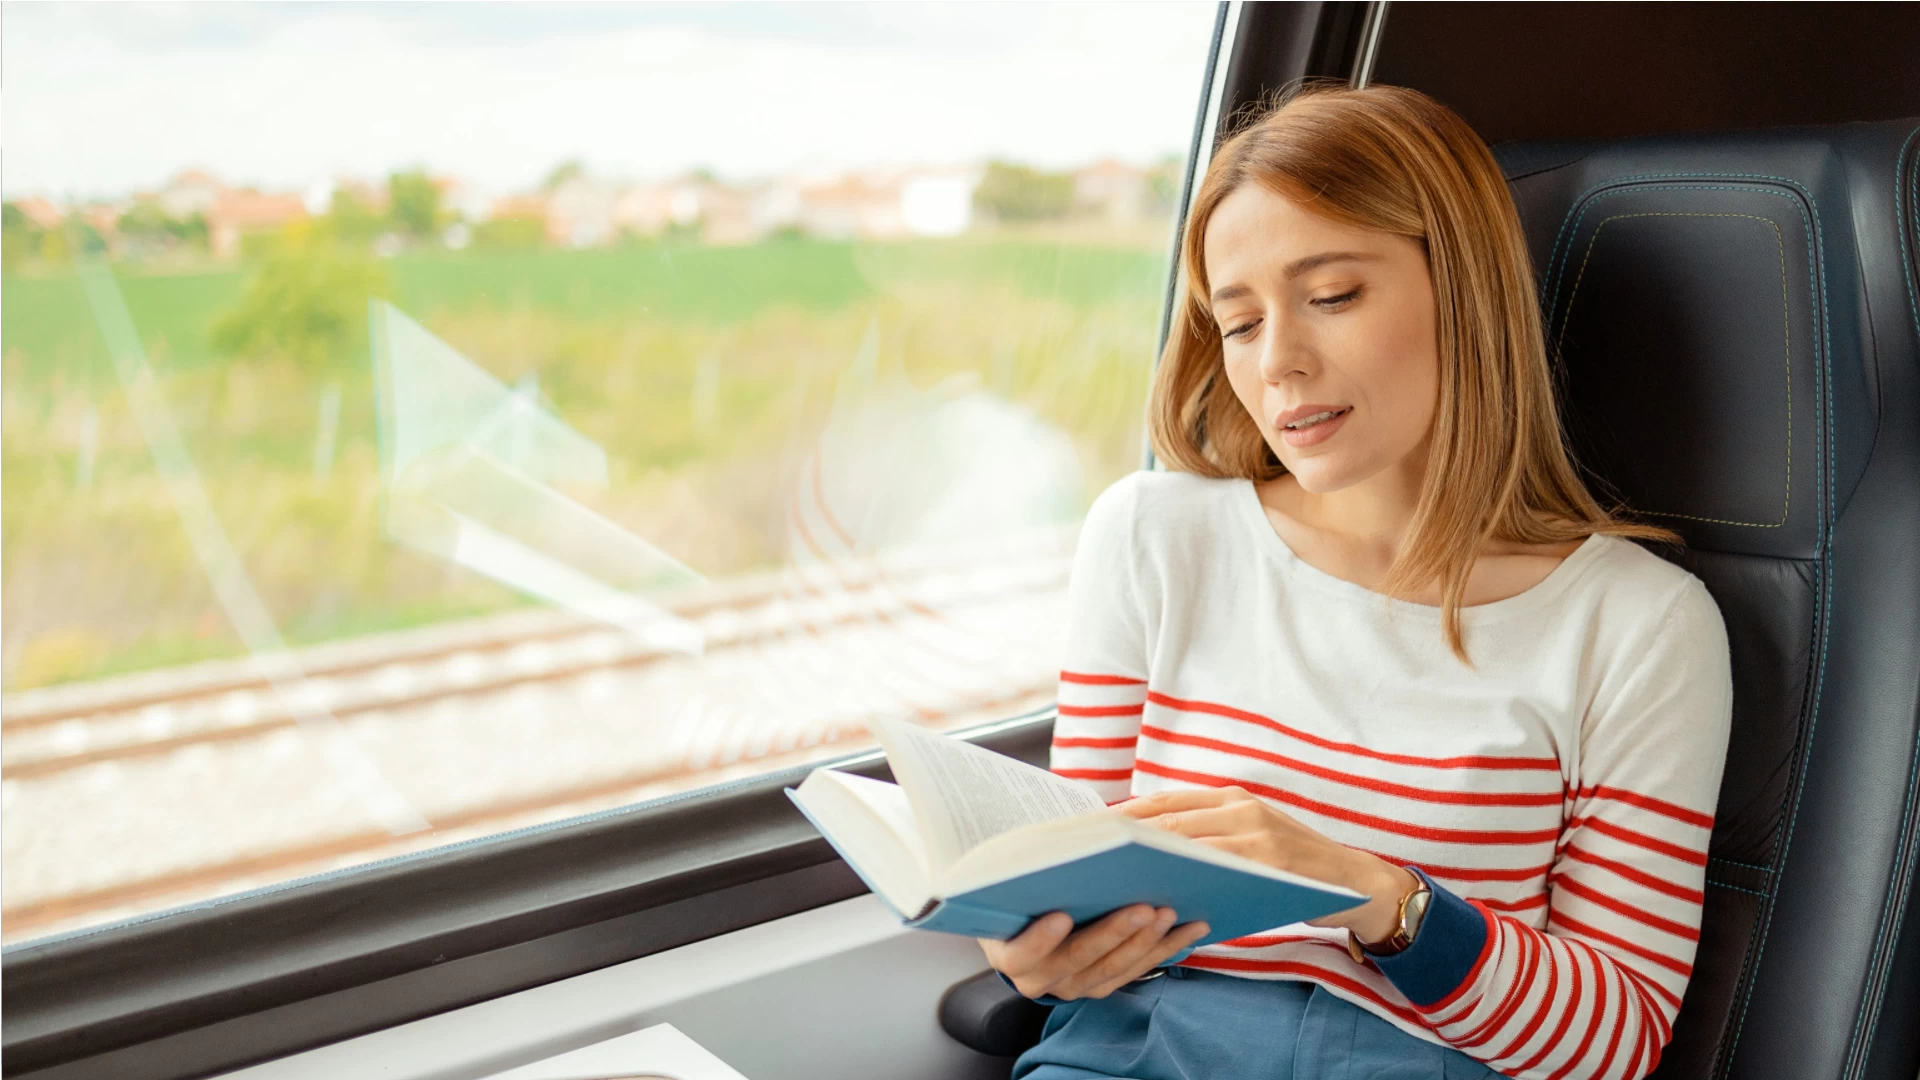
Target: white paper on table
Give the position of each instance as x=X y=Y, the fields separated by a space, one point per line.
x=660 y=1050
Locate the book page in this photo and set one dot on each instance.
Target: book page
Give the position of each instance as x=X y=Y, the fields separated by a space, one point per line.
x=963 y=794
x=869 y=823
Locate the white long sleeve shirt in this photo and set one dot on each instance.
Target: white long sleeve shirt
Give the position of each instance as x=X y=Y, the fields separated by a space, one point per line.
x=1559 y=794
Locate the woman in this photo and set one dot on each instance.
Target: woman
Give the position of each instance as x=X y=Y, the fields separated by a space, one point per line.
x=1372 y=628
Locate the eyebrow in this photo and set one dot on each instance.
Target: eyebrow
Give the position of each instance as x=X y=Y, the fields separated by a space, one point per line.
x=1295 y=269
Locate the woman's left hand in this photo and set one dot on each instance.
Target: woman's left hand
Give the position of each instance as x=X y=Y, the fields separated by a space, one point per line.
x=1236 y=821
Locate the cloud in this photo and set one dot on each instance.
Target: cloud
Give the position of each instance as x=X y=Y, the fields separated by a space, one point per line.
x=109 y=98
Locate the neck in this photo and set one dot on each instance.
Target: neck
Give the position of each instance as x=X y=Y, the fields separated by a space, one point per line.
x=1373 y=515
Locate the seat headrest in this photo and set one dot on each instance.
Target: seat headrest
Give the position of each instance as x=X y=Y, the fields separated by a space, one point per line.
x=1710 y=311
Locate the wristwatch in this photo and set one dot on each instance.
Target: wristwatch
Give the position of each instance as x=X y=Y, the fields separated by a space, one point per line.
x=1413 y=908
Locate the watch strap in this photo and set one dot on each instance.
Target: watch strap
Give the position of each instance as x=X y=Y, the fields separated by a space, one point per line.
x=1402 y=936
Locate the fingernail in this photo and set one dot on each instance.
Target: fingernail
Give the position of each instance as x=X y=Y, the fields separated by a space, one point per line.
x=1165 y=919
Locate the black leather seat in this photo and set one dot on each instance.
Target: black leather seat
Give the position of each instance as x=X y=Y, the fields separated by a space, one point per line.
x=1736 y=324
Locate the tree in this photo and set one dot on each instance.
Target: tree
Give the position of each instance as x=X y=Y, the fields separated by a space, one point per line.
x=306 y=300
x=563 y=172
x=352 y=221
x=414 y=203
x=19 y=237
x=1011 y=193
x=1163 y=183
x=147 y=227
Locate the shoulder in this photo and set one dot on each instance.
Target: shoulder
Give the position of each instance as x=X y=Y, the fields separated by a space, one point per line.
x=1651 y=601
x=1151 y=507
x=1164 y=496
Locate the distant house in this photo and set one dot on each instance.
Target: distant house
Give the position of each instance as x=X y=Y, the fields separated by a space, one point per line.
x=865 y=207
x=580 y=213
x=1114 y=191
x=242 y=213
x=646 y=209
x=194 y=191
x=721 y=214
x=321 y=196
x=42 y=213
x=467 y=202
x=938 y=202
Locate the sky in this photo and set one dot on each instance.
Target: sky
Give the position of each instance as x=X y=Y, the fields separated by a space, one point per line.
x=106 y=99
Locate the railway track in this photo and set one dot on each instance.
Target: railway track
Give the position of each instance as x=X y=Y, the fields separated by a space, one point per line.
x=143 y=793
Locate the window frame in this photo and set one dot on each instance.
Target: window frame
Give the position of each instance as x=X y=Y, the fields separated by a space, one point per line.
x=240 y=980
x=235 y=981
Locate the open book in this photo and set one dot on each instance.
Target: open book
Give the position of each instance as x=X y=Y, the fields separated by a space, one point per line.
x=973 y=842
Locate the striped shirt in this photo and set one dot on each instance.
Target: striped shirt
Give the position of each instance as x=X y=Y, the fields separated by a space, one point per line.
x=1558 y=795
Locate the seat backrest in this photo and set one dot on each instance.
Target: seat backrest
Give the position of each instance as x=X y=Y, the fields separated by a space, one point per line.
x=1736 y=331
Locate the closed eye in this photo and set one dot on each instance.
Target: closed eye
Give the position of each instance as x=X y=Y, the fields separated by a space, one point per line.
x=1329 y=303
x=1242 y=330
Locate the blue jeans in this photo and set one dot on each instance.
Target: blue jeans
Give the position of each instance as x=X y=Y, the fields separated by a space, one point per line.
x=1201 y=1025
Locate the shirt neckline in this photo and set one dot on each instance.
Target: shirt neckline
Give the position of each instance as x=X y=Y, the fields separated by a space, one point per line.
x=1539 y=593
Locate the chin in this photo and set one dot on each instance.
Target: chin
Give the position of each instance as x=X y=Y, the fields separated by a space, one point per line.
x=1319 y=476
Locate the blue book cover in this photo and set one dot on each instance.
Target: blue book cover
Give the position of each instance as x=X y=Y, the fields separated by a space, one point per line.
x=1232 y=901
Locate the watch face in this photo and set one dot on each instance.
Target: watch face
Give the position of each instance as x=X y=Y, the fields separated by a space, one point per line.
x=1416 y=912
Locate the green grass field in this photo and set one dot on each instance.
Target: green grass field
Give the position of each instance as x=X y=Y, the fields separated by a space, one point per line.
x=98 y=574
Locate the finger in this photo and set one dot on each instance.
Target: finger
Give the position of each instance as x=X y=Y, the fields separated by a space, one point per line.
x=1124 y=963
x=1027 y=949
x=1206 y=821
x=1165 y=948
x=1087 y=945
x=1162 y=802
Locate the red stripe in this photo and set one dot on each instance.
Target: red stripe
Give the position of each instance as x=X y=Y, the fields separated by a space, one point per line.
x=1420 y=832
x=1621 y=907
x=1404 y=791
x=1071 y=742
x=1593 y=1022
x=1641 y=951
x=1637 y=876
x=1647 y=802
x=1639 y=839
x=1544 y=1007
x=1099 y=680
x=1318 y=974
x=1098 y=710
x=1619 y=1023
x=1646 y=982
x=1472 y=762
x=1094 y=774
x=1509 y=1004
x=1467 y=873
x=1651 y=1019
x=1479 y=964
x=1566 y=1016
x=1528 y=904
x=1639 y=1053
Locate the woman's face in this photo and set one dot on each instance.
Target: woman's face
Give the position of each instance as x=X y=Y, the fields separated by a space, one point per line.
x=1317 y=317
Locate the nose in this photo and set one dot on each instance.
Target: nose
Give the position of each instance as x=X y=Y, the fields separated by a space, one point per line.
x=1283 y=352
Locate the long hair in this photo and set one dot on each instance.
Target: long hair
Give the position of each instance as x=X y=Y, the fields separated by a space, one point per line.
x=1498 y=467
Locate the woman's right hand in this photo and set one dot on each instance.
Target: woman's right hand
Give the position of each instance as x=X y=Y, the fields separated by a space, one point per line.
x=1051 y=957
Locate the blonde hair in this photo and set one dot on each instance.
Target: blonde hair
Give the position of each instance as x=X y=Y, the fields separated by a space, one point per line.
x=1395 y=160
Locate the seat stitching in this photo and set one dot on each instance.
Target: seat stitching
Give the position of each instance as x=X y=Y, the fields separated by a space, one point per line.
x=1742 y=865
x=1736 y=888
x=1786 y=324
x=1757 y=950
x=1898 y=879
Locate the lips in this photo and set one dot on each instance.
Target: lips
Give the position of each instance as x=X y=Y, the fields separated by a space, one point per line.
x=1321 y=422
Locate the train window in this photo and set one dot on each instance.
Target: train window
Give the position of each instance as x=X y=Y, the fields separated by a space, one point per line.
x=427 y=421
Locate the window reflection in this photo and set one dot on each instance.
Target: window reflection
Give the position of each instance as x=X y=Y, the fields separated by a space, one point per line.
x=354 y=510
